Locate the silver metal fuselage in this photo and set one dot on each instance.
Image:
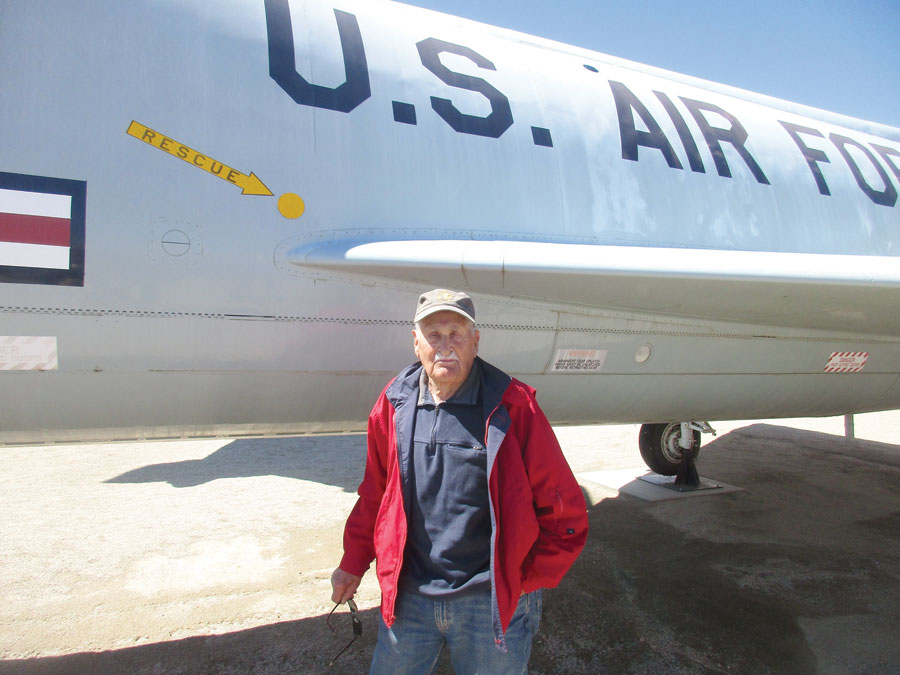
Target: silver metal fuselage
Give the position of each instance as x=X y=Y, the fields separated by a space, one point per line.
x=709 y=249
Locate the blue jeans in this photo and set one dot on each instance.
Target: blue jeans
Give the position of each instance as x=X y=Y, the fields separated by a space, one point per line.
x=424 y=625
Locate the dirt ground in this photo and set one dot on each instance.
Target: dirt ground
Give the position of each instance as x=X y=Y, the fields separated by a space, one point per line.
x=214 y=556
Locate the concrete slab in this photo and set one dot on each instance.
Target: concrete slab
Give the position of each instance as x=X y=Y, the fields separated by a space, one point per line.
x=643 y=484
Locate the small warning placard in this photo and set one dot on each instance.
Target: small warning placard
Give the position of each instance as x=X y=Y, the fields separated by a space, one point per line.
x=25 y=352
x=846 y=362
x=578 y=360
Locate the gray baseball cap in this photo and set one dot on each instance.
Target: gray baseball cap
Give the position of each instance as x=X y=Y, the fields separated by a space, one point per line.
x=443 y=300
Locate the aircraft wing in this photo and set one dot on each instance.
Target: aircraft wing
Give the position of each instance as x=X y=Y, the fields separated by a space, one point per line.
x=813 y=291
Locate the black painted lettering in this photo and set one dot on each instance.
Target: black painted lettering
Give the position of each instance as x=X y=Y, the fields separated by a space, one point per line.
x=164 y=143
x=736 y=135
x=148 y=136
x=500 y=118
x=631 y=138
x=690 y=147
x=812 y=155
x=886 y=154
x=197 y=161
x=182 y=152
x=216 y=167
x=232 y=176
x=283 y=70
x=405 y=113
x=541 y=136
x=885 y=197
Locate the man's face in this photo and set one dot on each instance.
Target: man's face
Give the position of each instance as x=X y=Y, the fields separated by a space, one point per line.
x=446 y=343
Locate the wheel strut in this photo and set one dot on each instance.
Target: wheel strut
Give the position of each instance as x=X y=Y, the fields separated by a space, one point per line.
x=687 y=476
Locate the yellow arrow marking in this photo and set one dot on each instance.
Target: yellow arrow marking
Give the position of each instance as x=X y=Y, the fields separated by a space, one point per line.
x=250 y=185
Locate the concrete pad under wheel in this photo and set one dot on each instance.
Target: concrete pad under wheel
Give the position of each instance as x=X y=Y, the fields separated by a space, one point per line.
x=651 y=487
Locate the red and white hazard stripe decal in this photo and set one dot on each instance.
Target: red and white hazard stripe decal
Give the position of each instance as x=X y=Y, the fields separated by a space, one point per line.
x=35 y=229
x=24 y=352
x=846 y=362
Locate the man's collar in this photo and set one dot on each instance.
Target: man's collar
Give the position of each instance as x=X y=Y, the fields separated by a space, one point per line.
x=424 y=394
x=467 y=394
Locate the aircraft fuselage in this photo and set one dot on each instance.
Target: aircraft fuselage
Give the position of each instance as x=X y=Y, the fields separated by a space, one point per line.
x=216 y=219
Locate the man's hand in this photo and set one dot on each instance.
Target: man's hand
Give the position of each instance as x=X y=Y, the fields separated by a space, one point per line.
x=343 y=585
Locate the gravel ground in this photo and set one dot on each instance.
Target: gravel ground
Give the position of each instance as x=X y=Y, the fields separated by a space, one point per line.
x=214 y=556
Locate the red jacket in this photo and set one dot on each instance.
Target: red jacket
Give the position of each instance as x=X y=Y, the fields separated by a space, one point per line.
x=538 y=514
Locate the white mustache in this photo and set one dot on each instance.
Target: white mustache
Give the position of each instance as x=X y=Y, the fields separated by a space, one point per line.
x=438 y=356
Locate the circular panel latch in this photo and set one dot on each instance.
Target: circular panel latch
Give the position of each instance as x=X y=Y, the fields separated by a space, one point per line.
x=176 y=243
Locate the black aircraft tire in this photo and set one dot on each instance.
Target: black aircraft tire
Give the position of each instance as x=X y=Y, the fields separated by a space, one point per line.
x=659 y=447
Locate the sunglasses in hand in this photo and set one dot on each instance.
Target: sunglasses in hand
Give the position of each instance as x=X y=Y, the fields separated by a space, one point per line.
x=357 y=626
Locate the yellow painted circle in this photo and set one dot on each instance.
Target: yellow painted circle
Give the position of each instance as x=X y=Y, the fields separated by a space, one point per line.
x=290 y=205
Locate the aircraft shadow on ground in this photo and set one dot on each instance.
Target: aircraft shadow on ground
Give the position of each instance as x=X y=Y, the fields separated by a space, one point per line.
x=333 y=460
x=778 y=433
x=339 y=459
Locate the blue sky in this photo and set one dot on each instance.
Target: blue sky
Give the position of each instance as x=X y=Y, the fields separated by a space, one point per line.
x=843 y=56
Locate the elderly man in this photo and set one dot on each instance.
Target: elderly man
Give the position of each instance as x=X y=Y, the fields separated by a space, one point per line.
x=467 y=505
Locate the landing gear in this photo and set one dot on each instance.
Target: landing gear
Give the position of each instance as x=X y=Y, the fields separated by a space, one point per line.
x=671 y=449
x=660 y=447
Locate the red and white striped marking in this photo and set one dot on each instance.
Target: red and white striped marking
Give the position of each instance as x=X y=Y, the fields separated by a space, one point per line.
x=27 y=352
x=35 y=229
x=846 y=362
